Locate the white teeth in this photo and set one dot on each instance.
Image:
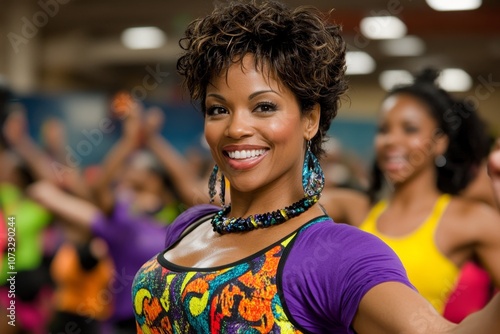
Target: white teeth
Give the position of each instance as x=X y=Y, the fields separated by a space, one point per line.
x=396 y=159
x=245 y=154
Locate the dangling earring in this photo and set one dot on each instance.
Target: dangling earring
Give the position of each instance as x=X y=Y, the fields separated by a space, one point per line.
x=222 y=193
x=313 y=179
x=440 y=161
x=212 y=184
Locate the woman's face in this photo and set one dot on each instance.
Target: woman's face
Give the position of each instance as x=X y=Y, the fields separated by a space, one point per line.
x=254 y=128
x=408 y=139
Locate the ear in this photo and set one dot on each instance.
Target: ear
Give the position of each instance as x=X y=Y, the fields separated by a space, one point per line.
x=311 y=122
x=442 y=142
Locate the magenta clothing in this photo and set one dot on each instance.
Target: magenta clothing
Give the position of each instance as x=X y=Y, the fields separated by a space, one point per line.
x=473 y=290
x=323 y=273
x=132 y=239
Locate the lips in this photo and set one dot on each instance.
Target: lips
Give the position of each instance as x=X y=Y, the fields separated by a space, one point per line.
x=243 y=158
x=245 y=154
x=394 y=163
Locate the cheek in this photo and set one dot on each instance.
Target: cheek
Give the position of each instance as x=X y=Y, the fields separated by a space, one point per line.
x=421 y=151
x=420 y=144
x=284 y=131
x=378 y=144
x=277 y=133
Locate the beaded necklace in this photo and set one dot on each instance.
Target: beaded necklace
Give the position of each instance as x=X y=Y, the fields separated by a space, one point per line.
x=223 y=224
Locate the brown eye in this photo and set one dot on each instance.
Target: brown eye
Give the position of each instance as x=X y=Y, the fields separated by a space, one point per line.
x=411 y=129
x=216 y=110
x=266 y=107
x=382 y=129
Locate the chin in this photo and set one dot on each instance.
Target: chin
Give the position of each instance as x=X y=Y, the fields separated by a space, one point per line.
x=395 y=179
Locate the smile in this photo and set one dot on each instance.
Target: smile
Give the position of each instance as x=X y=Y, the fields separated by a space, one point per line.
x=245 y=154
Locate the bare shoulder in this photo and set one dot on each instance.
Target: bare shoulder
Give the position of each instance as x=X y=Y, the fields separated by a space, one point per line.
x=345 y=205
x=474 y=217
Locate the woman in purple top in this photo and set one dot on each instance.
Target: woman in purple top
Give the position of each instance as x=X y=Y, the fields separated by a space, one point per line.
x=269 y=80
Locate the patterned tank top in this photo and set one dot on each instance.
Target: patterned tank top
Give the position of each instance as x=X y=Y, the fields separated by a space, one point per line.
x=241 y=297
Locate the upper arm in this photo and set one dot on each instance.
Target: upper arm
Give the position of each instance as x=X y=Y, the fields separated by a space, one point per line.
x=485 y=226
x=393 y=307
x=69 y=208
x=480 y=188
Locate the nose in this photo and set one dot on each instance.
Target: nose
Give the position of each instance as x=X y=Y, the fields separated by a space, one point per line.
x=390 y=137
x=387 y=140
x=239 y=125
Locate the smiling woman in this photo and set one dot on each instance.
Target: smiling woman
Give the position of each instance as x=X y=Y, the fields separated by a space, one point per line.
x=269 y=80
x=429 y=147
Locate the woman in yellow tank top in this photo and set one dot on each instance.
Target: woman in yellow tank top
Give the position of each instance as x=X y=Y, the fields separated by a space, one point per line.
x=428 y=147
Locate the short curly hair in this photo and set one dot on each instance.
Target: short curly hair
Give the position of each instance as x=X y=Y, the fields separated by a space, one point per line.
x=299 y=46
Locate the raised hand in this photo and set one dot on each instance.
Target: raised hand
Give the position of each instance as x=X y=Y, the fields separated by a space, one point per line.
x=154 y=120
x=129 y=111
x=15 y=128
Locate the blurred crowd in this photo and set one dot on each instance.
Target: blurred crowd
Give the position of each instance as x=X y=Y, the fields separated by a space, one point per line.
x=73 y=238
x=79 y=235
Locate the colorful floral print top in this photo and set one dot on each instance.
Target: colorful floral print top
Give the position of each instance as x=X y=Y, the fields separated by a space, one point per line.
x=311 y=281
x=239 y=298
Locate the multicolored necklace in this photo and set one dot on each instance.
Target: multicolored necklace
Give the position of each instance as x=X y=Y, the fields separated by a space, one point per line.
x=223 y=225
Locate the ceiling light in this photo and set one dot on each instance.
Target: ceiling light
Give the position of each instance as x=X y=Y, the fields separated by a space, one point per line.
x=143 y=38
x=390 y=78
x=401 y=47
x=454 y=80
x=359 y=62
x=449 y=5
x=382 y=27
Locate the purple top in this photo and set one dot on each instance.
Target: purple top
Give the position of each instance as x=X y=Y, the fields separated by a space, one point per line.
x=132 y=239
x=329 y=268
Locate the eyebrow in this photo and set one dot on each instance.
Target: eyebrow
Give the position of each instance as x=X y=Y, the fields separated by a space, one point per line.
x=251 y=96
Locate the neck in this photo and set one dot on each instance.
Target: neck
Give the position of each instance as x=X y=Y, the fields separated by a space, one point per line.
x=270 y=198
x=223 y=224
x=416 y=190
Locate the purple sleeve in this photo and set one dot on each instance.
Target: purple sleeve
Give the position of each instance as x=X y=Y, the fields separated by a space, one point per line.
x=328 y=271
x=185 y=219
x=105 y=226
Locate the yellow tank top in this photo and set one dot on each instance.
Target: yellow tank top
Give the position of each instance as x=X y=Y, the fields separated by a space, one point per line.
x=428 y=269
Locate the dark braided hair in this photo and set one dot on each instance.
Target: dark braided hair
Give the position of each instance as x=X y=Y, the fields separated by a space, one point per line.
x=469 y=142
x=298 y=47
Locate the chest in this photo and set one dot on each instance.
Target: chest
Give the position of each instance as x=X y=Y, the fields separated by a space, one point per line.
x=242 y=297
x=202 y=248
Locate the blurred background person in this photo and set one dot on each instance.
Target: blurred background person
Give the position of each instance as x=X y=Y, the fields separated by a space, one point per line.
x=426 y=155
x=21 y=166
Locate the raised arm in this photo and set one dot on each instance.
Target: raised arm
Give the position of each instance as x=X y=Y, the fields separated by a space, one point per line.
x=485 y=224
x=72 y=210
x=16 y=134
x=130 y=140
x=184 y=178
